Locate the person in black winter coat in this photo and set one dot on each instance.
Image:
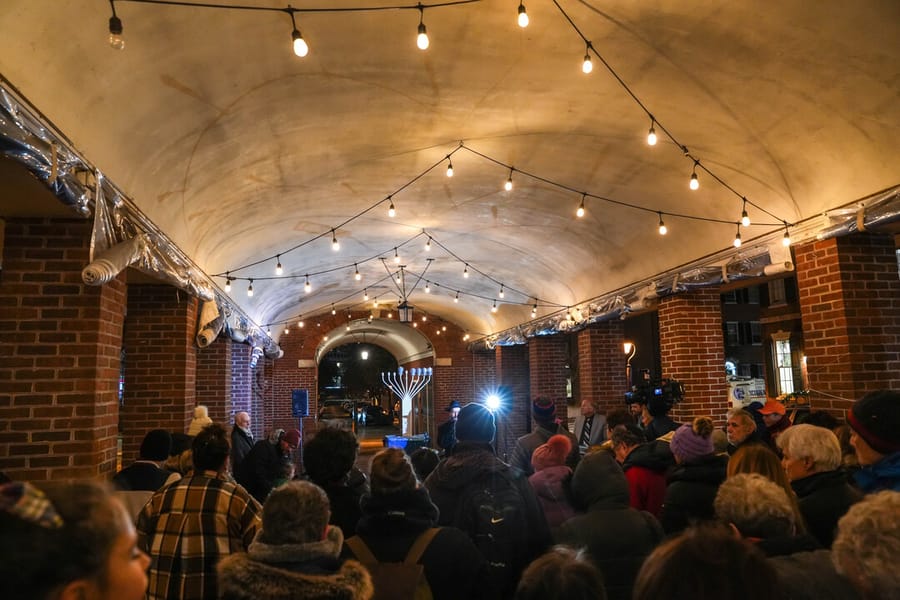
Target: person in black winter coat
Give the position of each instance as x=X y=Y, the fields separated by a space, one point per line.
x=617 y=537
x=241 y=440
x=473 y=470
x=329 y=460
x=693 y=483
x=397 y=511
x=812 y=459
x=264 y=464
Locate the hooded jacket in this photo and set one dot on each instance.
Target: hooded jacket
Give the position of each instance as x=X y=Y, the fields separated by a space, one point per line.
x=551 y=485
x=883 y=475
x=691 y=491
x=308 y=571
x=618 y=538
x=645 y=469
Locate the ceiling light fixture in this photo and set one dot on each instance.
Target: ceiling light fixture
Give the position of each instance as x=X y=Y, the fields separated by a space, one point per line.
x=737 y=237
x=651 y=135
x=427 y=288
x=422 y=37
x=501 y=291
x=356 y=275
x=587 y=66
x=428 y=244
x=366 y=295
x=508 y=185
x=663 y=230
x=279 y=270
x=396 y=256
x=250 y=289
x=456 y=298
x=116 y=41
x=333 y=311
x=334 y=243
x=449 y=167
x=523 y=16
x=307 y=287
x=580 y=212
x=392 y=212
x=745 y=218
x=466 y=271
x=227 y=284
x=695 y=183
x=534 y=310
x=786 y=240
x=301 y=48
x=494 y=307
x=300 y=323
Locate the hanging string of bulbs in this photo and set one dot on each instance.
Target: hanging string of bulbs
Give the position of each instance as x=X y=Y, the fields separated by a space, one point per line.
x=298 y=43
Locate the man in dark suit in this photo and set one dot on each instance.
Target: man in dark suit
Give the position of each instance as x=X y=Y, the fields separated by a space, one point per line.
x=241 y=440
x=590 y=426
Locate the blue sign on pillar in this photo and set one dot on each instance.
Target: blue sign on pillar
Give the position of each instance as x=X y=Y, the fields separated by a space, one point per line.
x=300 y=403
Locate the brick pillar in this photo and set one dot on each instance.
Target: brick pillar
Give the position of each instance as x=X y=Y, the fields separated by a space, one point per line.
x=60 y=343
x=692 y=351
x=512 y=375
x=484 y=374
x=850 y=304
x=160 y=363
x=214 y=379
x=242 y=386
x=601 y=365
x=547 y=356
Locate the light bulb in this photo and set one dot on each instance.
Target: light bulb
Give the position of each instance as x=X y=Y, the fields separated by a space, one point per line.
x=428 y=245
x=534 y=310
x=662 y=226
x=278 y=268
x=365 y=295
x=587 y=66
x=786 y=240
x=651 y=136
x=456 y=298
x=357 y=275
x=422 y=38
x=745 y=219
x=228 y=285
x=334 y=243
x=523 y=16
x=333 y=311
x=250 y=289
x=391 y=211
x=301 y=48
x=737 y=239
x=508 y=185
x=427 y=288
x=580 y=212
x=398 y=278
x=501 y=291
x=306 y=286
x=396 y=257
x=424 y=318
x=268 y=330
x=286 y=331
x=466 y=272
x=450 y=169
x=695 y=183
x=116 y=41
x=301 y=324
x=494 y=307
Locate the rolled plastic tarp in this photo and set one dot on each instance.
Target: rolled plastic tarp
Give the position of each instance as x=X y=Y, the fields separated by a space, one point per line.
x=210 y=324
x=108 y=264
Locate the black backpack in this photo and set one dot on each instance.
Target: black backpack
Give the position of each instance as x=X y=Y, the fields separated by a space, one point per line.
x=492 y=512
x=392 y=580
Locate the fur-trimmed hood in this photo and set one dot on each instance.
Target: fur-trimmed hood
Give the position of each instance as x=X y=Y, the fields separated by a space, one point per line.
x=300 y=571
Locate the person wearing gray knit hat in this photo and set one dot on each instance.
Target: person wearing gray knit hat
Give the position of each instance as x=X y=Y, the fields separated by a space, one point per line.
x=874 y=423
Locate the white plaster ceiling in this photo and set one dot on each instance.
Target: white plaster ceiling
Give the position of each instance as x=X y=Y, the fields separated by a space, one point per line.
x=239 y=150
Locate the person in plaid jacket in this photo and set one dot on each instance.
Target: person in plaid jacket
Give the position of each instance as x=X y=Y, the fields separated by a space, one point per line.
x=188 y=526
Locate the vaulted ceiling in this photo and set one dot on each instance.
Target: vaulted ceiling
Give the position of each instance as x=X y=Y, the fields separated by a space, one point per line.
x=240 y=151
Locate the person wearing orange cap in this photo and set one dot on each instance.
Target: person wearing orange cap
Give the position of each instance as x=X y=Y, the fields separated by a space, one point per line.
x=774 y=415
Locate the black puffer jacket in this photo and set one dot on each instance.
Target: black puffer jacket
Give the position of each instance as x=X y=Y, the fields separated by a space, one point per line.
x=617 y=537
x=691 y=491
x=390 y=525
x=824 y=498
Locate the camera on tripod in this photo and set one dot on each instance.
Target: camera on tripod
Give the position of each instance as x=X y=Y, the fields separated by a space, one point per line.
x=658 y=395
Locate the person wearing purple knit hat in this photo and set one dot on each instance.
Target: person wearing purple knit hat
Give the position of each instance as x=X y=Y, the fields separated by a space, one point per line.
x=692 y=485
x=875 y=435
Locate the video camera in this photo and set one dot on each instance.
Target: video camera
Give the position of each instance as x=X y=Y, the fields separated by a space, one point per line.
x=659 y=396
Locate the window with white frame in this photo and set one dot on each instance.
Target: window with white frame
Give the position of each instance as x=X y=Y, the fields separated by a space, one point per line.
x=784 y=367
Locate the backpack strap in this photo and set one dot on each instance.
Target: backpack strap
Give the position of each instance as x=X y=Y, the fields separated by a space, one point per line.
x=362 y=552
x=420 y=545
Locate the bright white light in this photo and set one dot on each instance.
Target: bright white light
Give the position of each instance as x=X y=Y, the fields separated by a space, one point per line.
x=422 y=38
x=364 y=355
x=587 y=66
x=695 y=183
x=651 y=137
x=492 y=401
x=301 y=48
x=523 y=16
x=508 y=185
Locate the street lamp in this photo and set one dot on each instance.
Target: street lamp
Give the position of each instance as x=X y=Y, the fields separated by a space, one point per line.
x=630 y=348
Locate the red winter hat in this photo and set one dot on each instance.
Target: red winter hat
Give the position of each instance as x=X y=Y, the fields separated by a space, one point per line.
x=551 y=454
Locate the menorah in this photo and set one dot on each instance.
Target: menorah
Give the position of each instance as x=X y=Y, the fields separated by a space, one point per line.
x=406 y=384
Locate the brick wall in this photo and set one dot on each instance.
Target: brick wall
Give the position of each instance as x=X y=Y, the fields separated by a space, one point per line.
x=514 y=419
x=601 y=365
x=160 y=363
x=692 y=349
x=850 y=304
x=60 y=344
x=547 y=358
x=214 y=379
x=242 y=387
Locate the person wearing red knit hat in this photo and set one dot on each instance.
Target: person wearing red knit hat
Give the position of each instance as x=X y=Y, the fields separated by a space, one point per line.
x=874 y=422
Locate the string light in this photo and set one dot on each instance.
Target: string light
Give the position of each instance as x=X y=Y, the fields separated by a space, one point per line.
x=334 y=243
x=424 y=318
x=466 y=271
x=227 y=285
x=786 y=240
x=428 y=244
x=392 y=212
x=651 y=135
x=301 y=324
x=116 y=41
x=301 y=48
x=745 y=218
x=396 y=256
x=501 y=291
x=366 y=295
x=523 y=16
x=333 y=311
x=663 y=230
x=737 y=237
x=695 y=183
x=250 y=289
x=279 y=270
x=508 y=185
x=587 y=66
x=580 y=212
x=456 y=298
x=494 y=307
x=427 y=288
x=356 y=275
x=422 y=37
x=286 y=330
x=399 y=279
x=268 y=329
x=449 y=167
x=307 y=287
x=534 y=310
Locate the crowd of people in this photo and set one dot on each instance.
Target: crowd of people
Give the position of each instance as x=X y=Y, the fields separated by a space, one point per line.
x=768 y=508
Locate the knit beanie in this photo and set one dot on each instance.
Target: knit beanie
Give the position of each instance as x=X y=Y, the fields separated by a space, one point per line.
x=475 y=424
x=551 y=454
x=392 y=472
x=543 y=410
x=693 y=441
x=156 y=445
x=292 y=437
x=876 y=419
